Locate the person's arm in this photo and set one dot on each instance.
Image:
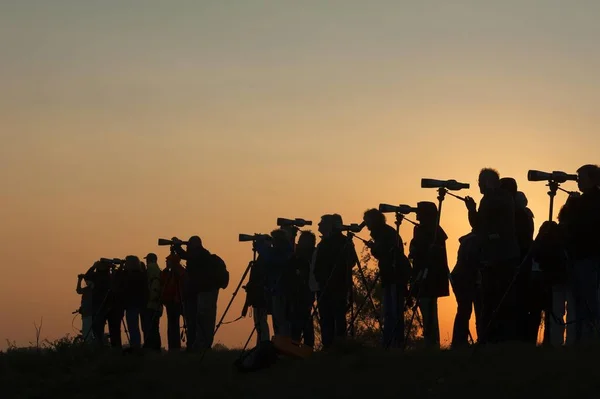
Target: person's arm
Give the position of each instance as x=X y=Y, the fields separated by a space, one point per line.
x=472 y=212
x=79 y=290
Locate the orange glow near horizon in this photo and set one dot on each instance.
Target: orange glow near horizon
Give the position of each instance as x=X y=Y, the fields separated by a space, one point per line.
x=122 y=125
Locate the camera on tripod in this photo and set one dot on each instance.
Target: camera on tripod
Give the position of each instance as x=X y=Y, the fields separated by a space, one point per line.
x=403 y=209
x=555 y=176
x=452 y=185
x=353 y=227
x=282 y=222
x=165 y=242
x=254 y=237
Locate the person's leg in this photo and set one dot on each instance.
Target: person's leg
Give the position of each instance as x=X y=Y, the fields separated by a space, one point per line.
x=115 y=317
x=261 y=325
x=340 y=322
x=132 y=317
x=586 y=296
x=280 y=317
x=557 y=329
x=206 y=318
x=464 y=308
x=191 y=310
x=86 y=328
x=173 y=327
x=327 y=315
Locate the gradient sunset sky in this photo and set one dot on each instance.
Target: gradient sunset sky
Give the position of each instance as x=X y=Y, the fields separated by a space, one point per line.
x=125 y=121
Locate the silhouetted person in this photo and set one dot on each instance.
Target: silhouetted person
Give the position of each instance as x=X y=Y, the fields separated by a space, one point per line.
x=172 y=282
x=467 y=289
x=530 y=292
x=549 y=256
x=301 y=298
x=202 y=293
x=394 y=271
x=276 y=261
x=333 y=272
x=152 y=313
x=105 y=304
x=494 y=225
x=86 y=310
x=582 y=224
x=132 y=292
x=430 y=269
x=257 y=295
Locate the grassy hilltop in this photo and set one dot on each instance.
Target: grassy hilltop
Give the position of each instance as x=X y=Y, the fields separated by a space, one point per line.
x=64 y=370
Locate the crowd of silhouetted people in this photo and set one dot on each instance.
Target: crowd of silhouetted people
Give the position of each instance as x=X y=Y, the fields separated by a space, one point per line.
x=506 y=276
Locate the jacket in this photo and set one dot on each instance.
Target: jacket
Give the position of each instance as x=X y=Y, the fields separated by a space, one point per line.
x=200 y=268
x=434 y=259
x=387 y=248
x=333 y=265
x=494 y=225
x=581 y=220
x=172 y=282
x=154 y=289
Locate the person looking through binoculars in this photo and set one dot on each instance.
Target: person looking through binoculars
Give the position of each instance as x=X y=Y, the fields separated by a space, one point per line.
x=494 y=226
x=105 y=307
x=430 y=269
x=333 y=274
x=394 y=271
x=202 y=292
x=86 y=309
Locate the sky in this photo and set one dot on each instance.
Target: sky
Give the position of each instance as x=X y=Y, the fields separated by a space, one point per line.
x=125 y=121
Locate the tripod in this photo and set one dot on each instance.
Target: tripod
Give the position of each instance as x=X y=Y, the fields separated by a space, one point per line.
x=442 y=191
x=254 y=251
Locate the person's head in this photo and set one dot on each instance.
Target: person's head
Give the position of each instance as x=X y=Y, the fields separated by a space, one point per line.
x=280 y=239
x=427 y=213
x=306 y=242
x=103 y=266
x=325 y=225
x=292 y=232
x=132 y=263
x=489 y=180
x=194 y=242
x=588 y=178
x=509 y=185
x=151 y=258
x=336 y=223
x=374 y=219
x=521 y=200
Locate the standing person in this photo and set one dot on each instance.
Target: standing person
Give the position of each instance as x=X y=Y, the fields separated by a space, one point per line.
x=430 y=269
x=582 y=228
x=202 y=292
x=494 y=226
x=154 y=309
x=300 y=297
x=530 y=294
x=466 y=279
x=276 y=261
x=132 y=290
x=86 y=309
x=106 y=304
x=256 y=290
x=333 y=272
x=172 y=282
x=394 y=271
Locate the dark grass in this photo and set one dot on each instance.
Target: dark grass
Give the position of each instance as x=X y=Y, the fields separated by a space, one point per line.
x=352 y=371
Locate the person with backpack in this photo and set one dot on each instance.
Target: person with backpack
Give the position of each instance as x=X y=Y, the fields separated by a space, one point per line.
x=152 y=313
x=172 y=283
x=207 y=274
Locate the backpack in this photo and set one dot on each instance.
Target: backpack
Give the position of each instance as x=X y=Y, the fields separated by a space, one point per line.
x=221 y=273
x=260 y=357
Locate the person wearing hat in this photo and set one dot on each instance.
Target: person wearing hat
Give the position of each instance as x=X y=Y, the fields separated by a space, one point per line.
x=172 y=281
x=154 y=309
x=430 y=269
